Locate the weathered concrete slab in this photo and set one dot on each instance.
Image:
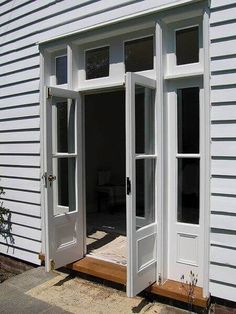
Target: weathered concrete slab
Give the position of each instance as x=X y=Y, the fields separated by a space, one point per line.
x=37 y=292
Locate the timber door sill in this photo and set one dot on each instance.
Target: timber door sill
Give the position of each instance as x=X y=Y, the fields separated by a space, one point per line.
x=100 y=269
x=177 y=291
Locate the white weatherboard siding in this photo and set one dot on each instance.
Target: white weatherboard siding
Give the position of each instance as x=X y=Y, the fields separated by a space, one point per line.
x=223 y=149
x=23 y=24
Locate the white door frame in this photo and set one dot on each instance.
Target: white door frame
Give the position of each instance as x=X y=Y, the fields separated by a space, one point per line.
x=161 y=100
x=44 y=80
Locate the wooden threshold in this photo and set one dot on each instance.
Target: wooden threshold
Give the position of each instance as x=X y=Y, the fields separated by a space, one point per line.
x=178 y=291
x=101 y=269
x=117 y=273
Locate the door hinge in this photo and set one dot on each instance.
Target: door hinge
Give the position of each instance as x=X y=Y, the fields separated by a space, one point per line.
x=48 y=93
x=44 y=177
x=159 y=279
x=52 y=264
x=128 y=186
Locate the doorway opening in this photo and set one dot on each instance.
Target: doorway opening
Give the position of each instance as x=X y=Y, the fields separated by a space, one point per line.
x=105 y=176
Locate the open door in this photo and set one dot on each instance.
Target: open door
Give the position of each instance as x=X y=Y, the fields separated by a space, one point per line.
x=63 y=178
x=141 y=164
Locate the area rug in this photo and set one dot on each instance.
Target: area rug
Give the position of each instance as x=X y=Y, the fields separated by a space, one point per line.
x=113 y=251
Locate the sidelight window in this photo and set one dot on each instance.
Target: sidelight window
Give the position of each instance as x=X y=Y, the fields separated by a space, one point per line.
x=188 y=158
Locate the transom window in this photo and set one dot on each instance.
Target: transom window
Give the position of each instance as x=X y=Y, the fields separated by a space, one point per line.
x=97 y=63
x=61 y=70
x=187 y=45
x=139 y=54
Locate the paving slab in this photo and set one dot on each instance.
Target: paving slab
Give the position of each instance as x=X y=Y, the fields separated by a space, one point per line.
x=58 y=292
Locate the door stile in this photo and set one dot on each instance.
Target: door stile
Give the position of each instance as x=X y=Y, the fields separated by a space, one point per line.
x=80 y=172
x=48 y=194
x=161 y=160
x=130 y=155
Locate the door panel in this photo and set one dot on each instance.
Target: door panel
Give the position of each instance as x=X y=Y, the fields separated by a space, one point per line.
x=141 y=171
x=63 y=179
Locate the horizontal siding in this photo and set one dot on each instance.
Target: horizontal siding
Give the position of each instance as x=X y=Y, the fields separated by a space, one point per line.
x=20 y=184
x=223 y=130
x=223 y=112
x=19 y=195
x=20 y=253
x=20 y=172
x=223 y=203
x=22 y=124
x=23 y=24
x=16 y=77
x=224 y=64
x=16 y=65
x=223 y=255
x=223 y=167
x=21 y=242
x=27 y=148
x=223 y=237
x=223 y=149
x=26 y=161
x=20 y=136
x=29 y=86
x=18 y=100
x=219 y=220
x=223 y=94
x=23 y=207
x=222 y=290
x=223 y=273
x=17 y=55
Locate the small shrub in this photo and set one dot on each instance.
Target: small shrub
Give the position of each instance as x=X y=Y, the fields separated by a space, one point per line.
x=4 y=212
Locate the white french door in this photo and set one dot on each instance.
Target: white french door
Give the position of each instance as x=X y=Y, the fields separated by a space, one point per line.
x=63 y=178
x=141 y=164
x=185 y=111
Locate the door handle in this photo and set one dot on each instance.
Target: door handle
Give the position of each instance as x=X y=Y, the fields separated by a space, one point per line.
x=51 y=178
x=128 y=186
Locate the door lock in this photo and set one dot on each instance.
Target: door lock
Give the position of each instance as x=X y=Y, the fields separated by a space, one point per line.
x=51 y=178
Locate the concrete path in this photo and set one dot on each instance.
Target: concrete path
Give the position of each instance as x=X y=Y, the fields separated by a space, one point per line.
x=37 y=292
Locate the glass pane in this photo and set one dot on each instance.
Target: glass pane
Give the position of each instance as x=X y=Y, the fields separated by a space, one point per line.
x=61 y=70
x=144 y=120
x=188 y=120
x=145 y=184
x=65 y=117
x=97 y=63
x=65 y=185
x=139 y=55
x=187 y=45
x=188 y=190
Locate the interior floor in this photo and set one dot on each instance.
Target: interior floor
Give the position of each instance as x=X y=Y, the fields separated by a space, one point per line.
x=105 y=176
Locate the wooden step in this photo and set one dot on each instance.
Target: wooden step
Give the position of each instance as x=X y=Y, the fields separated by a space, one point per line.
x=178 y=291
x=117 y=273
x=101 y=269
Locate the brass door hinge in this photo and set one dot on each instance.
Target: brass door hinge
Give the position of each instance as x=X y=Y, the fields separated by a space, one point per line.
x=52 y=264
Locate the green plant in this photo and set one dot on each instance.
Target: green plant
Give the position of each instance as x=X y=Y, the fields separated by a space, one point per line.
x=3 y=212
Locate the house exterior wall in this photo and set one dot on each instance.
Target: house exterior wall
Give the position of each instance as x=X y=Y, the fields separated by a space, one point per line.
x=25 y=23
x=223 y=149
